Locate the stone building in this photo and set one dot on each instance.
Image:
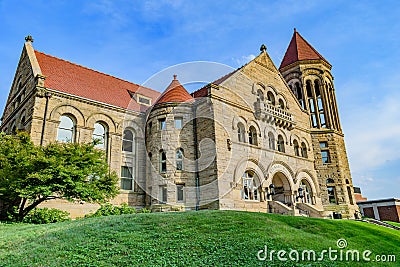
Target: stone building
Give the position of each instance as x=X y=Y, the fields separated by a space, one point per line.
x=258 y=139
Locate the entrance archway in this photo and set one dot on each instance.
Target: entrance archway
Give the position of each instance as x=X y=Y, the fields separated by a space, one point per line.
x=283 y=190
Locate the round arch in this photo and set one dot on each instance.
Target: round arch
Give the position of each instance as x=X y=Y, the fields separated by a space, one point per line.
x=236 y=120
x=101 y=117
x=58 y=111
x=249 y=164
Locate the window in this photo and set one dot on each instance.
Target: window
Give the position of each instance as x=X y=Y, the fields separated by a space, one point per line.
x=260 y=95
x=126 y=178
x=307 y=196
x=325 y=157
x=252 y=135
x=240 y=127
x=323 y=144
x=127 y=141
x=303 y=150
x=299 y=95
x=163 y=194
x=271 y=141
x=332 y=195
x=330 y=181
x=178 y=123
x=163 y=161
x=144 y=100
x=250 y=188
x=349 y=193
x=66 y=129
x=179 y=159
x=281 y=144
x=99 y=134
x=162 y=124
x=281 y=104
x=296 y=148
x=179 y=192
x=150 y=125
x=271 y=98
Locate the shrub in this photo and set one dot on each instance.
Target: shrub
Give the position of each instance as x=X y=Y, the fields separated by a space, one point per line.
x=108 y=209
x=144 y=210
x=45 y=215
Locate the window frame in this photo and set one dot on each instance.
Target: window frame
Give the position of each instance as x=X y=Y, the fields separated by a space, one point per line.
x=131 y=177
x=72 y=130
x=163 y=161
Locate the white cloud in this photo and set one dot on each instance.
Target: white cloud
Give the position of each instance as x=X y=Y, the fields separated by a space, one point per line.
x=372 y=133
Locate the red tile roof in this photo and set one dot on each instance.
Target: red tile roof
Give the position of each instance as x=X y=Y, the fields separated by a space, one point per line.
x=175 y=92
x=80 y=81
x=299 y=49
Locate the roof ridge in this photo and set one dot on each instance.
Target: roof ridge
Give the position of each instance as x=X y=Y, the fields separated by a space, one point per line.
x=99 y=72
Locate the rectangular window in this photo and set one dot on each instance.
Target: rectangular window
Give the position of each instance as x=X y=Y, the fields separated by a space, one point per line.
x=179 y=193
x=332 y=195
x=163 y=162
x=314 y=120
x=178 y=123
x=325 y=157
x=149 y=128
x=350 y=195
x=162 y=123
x=126 y=178
x=163 y=194
x=145 y=101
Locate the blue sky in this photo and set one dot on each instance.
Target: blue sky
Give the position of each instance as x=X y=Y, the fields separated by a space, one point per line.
x=134 y=40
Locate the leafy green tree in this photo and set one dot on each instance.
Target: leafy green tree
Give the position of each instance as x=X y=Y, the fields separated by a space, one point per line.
x=32 y=174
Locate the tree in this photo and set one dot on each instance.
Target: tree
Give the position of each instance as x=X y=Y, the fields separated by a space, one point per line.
x=32 y=174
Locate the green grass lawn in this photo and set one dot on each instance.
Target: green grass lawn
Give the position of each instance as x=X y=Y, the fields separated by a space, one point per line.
x=205 y=238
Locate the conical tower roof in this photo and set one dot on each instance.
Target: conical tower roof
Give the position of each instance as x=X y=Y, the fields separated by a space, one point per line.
x=299 y=49
x=175 y=93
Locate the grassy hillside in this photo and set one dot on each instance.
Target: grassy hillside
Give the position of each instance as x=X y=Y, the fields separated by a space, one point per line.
x=205 y=238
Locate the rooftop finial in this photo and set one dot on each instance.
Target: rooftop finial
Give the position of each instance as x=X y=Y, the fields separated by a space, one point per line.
x=295 y=30
x=29 y=38
x=175 y=76
x=263 y=48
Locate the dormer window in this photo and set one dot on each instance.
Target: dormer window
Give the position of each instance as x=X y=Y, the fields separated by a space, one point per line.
x=140 y=99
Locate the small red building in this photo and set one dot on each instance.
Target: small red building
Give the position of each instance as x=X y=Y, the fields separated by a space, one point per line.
x=381 y=209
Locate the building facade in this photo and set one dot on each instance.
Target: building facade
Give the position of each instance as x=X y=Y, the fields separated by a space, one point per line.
x=258 y=139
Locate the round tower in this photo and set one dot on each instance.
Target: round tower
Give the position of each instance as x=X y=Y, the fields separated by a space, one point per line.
x=170 y=149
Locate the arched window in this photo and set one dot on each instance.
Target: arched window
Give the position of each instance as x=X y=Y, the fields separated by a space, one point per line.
x=100 y=134
x=179 y=159
x=296 y=148
x=250 y=186
x=281 y=144
x=281 y=104
x=66 y=129
x=13 y=128
x=303 y=150
x=241 y=132
x=128 y=141
x=299 y=94
x=271 y=141
x=271 y=98
x=330 y=181
x=163 y=161
x=252 y=135
x=260 y=95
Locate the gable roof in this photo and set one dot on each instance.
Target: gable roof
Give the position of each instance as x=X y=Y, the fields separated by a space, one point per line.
x=299 y=49
x=174 y=93
x=70 y=78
